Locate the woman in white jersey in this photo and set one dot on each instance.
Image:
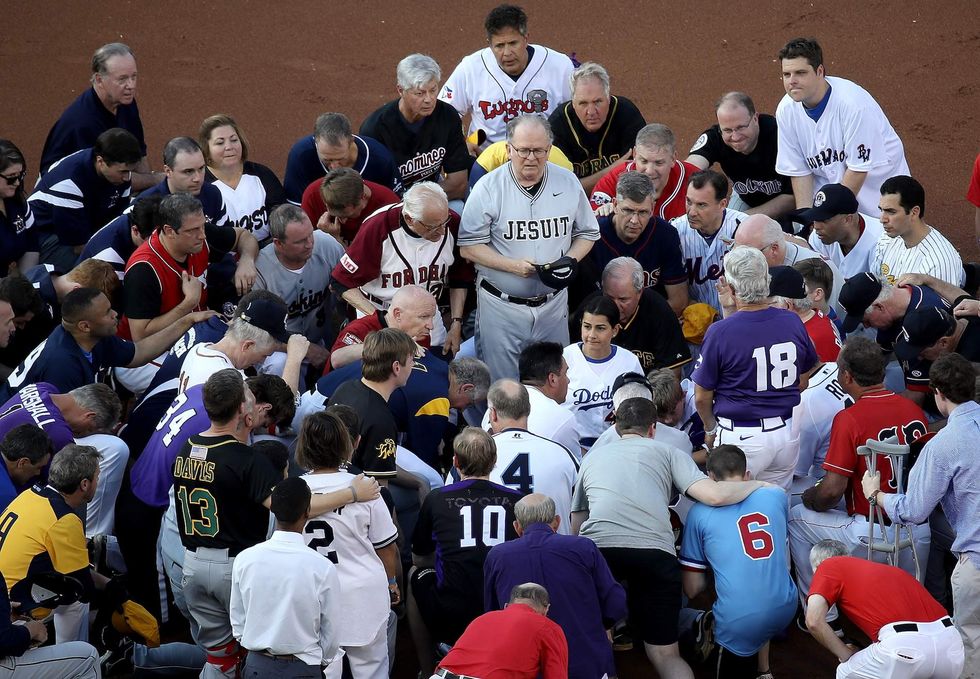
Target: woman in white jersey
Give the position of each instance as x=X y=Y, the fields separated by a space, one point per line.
x=360 y=539
x=250 y=190
x=593 y=366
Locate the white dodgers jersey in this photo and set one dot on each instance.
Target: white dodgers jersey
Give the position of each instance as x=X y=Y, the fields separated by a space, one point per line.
x=590 y=384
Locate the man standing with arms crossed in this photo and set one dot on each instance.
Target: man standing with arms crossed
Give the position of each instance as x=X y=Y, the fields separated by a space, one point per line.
x=519 y=217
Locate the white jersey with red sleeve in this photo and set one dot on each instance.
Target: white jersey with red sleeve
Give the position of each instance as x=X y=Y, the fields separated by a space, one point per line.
x=670 y=204
x=852 y=133
x=479 y=86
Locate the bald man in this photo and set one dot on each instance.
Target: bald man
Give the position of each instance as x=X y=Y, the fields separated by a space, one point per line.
x=765 y=234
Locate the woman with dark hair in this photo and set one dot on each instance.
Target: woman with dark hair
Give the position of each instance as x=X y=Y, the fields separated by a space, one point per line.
x=250 y=190
x=593 y=366
x=18 y=241
x=360 y=539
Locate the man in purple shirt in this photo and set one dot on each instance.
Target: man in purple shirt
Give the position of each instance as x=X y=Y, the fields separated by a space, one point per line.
x=748 y=378
x=585 y=598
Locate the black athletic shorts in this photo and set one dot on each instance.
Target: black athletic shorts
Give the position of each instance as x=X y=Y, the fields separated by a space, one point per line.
x=653 y=591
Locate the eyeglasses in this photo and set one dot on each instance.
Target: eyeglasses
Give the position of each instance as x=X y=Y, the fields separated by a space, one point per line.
x=12 y=179
x=630 y=214
x=527 y=153
x=430 y=227
x=727 y=132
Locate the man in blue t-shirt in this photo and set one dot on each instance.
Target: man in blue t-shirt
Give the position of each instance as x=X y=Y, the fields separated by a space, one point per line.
x=332 y=145
x=84 y=347
x=744 y=544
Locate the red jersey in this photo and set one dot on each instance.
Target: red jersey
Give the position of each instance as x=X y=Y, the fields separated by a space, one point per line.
x=357 y=331
x=673 y=198
x=314 y=207
x=515 y=643
x=872 y=594
x=168 y=270
x=823 y=333
x=877 y=415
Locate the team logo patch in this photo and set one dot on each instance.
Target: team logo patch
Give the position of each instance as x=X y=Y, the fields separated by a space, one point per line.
x=538 y=100
x=864 y=153
x=349 y=264
x=19 y=226
x=819 y=199
x=386 y=449
x=702 y=140
x=447 y=93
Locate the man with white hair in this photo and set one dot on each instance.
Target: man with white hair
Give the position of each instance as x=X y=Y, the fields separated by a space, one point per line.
x=749 y=376
x=595 y=129
x=666 y=395
x=422 y=133
x=409 y=243
x=764 y=234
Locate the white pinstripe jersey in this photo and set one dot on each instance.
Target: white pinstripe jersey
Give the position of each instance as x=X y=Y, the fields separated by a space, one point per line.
x=502 y=214
x=478 y=86
x=934 y=255
x=703 y=257
x=858 y=260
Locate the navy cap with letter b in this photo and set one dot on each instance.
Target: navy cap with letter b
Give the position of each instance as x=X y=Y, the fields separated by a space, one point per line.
x=831 y=200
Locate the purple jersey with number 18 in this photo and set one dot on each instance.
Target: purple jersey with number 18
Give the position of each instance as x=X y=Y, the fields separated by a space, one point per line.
x=753 y=360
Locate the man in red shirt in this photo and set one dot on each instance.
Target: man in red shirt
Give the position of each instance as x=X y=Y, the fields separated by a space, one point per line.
x=789 y=291
x=412 y=309
x=519 y=642
x=877 y=414
x=339 y=202
x=655 y=155
x=913 y=637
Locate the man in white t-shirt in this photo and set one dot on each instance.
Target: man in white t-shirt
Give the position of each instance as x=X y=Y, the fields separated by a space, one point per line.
x=525 y=461
x=841 y=234
x=909 y=244
x=257 y=329
x=544 y=372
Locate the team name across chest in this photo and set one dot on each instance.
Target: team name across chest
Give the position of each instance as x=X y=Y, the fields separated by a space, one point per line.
x=770 y=187
x=532 y=229
x=829 y=156
x=307 y=300
x=592 y=399
x=422 y=275
x=536 y=102
x=422 y=164
x=694 y=275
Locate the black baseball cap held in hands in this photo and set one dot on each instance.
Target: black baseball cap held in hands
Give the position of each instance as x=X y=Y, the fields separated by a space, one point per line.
x=856 y=295
x=268 y=315
x=921 y=329
x=831 y=200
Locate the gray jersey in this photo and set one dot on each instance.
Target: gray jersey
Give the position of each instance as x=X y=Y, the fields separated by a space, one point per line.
x=305 y=292
x=502 y=214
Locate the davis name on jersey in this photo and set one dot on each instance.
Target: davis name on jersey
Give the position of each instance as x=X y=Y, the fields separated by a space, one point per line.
x=536 y=102
x=533 y=229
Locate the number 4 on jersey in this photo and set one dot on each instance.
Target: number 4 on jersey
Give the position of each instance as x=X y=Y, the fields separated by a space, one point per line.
x=518 y=474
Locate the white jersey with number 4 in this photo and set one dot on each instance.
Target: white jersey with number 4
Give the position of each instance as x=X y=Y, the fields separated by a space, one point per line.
x=532 y=464
x=703 y=256
x=852 y=133
x=349 y=536
x=479 y=87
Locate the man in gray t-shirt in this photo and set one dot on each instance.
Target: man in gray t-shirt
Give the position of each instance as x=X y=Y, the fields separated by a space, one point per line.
x=620 y=503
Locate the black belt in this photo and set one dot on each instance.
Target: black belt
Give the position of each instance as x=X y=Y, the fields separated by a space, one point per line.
x=270 y=654
x=912 y=627
x=526 y=301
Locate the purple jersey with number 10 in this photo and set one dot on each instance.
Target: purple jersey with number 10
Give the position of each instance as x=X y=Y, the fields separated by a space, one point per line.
x=753 y=360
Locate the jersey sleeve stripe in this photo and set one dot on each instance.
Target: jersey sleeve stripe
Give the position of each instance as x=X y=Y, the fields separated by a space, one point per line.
x=387 y=541
x=689 y=564
x=57 y=201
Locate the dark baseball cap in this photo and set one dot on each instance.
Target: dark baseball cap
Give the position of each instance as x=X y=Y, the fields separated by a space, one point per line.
x=786 y=282
x=856 y=295
x=268 y=315
x=921 y=329
x=831 y=200
x=630 y=378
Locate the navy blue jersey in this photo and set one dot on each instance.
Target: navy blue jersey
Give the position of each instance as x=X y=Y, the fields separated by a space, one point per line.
x=163 y=387
x=16 y=234
x=40 y=277
x=210 y=197
x=112 y=243
x=73 y=201
x=61 y=362
x=421 y=407
x=374 y=163
x=82 y=123
x=658 y=250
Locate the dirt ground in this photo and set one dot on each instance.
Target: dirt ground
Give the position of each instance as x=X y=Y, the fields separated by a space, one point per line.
x=276 y=66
